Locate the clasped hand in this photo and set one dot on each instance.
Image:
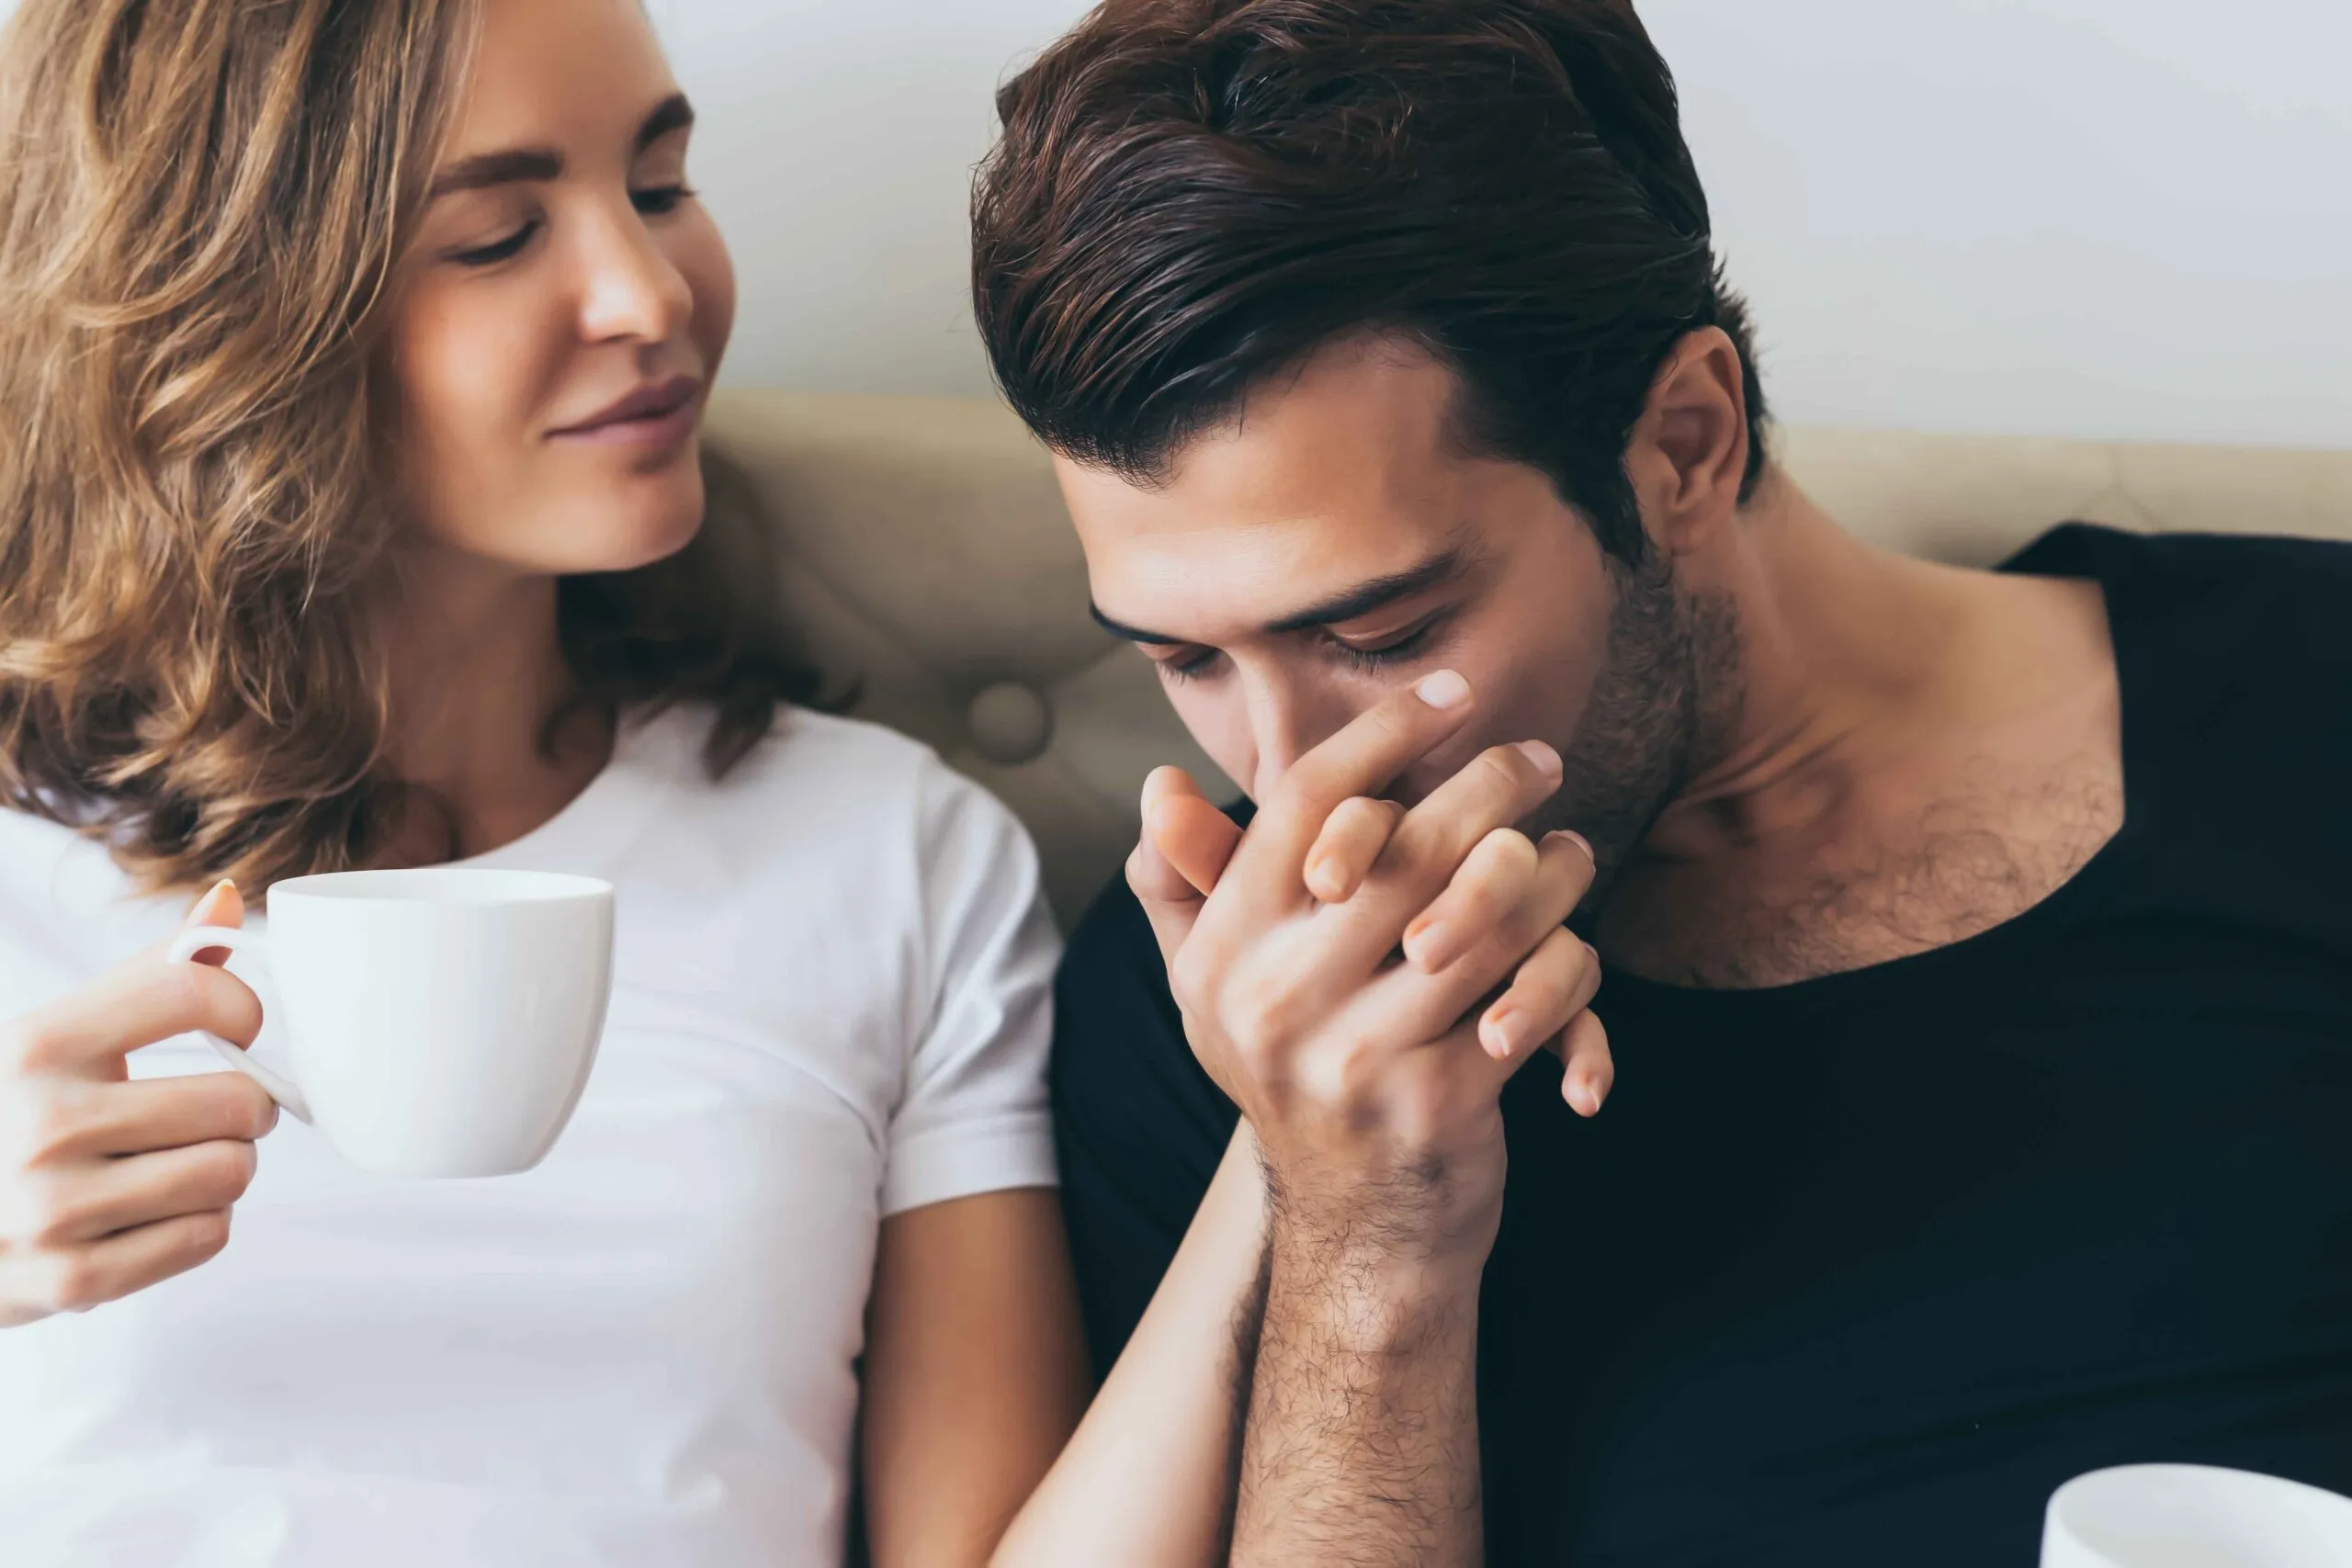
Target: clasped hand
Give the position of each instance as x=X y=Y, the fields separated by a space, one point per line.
x=1361 y=979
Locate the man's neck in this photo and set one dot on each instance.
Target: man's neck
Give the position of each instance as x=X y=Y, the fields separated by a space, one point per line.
x=1840 y=643
x=1878 y=697
x=477 y=677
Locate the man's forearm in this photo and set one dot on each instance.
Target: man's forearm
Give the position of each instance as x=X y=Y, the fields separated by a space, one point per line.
x=1363 y=1436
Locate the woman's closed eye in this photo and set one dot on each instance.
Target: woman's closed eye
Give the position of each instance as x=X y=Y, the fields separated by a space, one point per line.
x=658 y=202
x=652 y=201
x=497 y=250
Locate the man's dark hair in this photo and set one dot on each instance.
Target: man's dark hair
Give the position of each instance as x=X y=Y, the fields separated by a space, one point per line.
x=1192 y=195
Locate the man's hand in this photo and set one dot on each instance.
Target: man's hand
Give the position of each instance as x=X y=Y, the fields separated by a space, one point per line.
x=1372 y=1082
x=1337 y=967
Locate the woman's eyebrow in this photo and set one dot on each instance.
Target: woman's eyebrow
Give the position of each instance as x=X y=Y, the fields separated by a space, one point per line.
x=525 y=166
x=671 y=114
x=513 y=166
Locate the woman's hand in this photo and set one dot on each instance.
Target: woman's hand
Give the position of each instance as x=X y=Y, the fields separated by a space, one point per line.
x=108 y=1185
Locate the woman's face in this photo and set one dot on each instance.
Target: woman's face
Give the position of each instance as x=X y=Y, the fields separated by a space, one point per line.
x=565 y=306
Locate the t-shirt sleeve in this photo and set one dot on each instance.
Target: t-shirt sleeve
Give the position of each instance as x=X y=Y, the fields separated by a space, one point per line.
x=1139 y=1126
x=972 y=1117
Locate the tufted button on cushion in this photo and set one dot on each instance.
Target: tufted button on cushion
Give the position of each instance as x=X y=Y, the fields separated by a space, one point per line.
x=1011 y=724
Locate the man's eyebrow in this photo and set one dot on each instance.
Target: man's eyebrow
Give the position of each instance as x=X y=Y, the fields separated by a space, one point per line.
x=525 y=166
x=1361 y=600
x=1127 y=633
x=1378 y=594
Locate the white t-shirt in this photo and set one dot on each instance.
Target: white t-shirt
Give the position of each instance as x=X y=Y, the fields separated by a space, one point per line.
x=831 y=1002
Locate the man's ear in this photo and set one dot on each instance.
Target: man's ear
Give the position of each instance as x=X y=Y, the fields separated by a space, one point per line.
x=1687 y=457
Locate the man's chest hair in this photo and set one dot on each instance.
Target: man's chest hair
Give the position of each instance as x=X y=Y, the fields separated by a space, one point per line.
x=1917 y=880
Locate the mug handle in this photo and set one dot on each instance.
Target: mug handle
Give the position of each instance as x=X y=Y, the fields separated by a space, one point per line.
x=202 y=939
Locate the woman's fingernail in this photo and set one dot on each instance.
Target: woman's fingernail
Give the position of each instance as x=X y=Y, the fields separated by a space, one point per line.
x=211 y=897
x=1443 y=690
x=1425 y=945
x=1504 y=1033
x=1580 y=841
x=1546 y=761
x=1323 y=879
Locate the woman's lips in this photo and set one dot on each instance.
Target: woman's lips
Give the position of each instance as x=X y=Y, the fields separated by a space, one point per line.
x=662 y=415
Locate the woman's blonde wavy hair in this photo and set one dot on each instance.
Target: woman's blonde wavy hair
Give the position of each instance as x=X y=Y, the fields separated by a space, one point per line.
x=202 y=204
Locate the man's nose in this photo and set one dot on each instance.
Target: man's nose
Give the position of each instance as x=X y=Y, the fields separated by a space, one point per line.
x=1287 y=720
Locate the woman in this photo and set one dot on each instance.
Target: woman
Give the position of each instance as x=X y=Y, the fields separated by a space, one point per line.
x=354 y=352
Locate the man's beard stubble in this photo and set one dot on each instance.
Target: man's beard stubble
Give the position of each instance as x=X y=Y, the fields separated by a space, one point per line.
x=1662 y=704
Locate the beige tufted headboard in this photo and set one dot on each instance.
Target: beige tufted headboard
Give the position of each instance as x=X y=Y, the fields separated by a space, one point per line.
x=923 y=552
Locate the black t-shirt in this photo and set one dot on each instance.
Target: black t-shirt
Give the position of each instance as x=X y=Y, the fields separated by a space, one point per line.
x=1858 y=1270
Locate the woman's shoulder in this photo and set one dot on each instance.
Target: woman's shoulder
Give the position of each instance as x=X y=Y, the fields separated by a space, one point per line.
x=832 y=835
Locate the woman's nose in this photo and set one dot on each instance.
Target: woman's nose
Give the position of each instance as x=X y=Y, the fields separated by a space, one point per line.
x=631 y=290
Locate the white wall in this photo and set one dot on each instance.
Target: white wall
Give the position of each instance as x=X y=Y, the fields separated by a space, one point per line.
x=836 y=144
x=2114 y=217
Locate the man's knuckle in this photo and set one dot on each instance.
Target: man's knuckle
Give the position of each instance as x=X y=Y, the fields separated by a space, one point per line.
x=1265 y=1022
x=1411 y=847
x=1302 y=795
x=1192 y=977
x=1504 y=769
x=1477 y=904
x=1513 y=851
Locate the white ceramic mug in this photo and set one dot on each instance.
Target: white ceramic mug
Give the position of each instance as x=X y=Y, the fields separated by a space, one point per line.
x=2193 y=1515
x=441 y=1023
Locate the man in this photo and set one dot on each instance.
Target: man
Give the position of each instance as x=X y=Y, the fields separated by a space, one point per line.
x=1976 y=948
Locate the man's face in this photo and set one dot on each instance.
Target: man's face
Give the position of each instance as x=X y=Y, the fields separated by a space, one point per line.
x=1335 y=543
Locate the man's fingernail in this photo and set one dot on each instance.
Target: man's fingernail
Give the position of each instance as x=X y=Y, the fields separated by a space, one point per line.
x=1546 y=761
x=1443 y=690
x=1580 y=841
x=1503 y=1033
